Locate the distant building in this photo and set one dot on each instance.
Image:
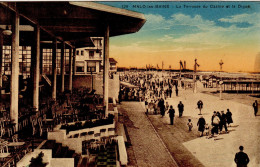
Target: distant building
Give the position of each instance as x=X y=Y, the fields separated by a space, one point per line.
x=90 y=59
x=112 y=64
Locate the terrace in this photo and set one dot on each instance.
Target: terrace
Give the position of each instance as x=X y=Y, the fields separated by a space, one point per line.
x=42 y=108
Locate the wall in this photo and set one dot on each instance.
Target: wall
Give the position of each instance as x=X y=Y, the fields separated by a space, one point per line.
x=59 y=136
x=114 y=86
x=73 y=144
x=85 y=81
x=98 y=84
x=64 y=162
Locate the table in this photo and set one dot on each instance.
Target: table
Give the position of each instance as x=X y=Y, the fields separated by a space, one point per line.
x=15 y=144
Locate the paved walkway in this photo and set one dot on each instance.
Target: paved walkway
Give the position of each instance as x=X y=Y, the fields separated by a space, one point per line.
x=219 y=151
x=174 y=136
x=187 y=148
x=148 y=148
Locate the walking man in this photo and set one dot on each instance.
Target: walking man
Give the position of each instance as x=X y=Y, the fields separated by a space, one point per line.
x=180 y=108
x=223 y=121
x=171 y=114
x=176 y=91
x=241 y=158
x=170 y=91
x=200 y=106
x=255 y=106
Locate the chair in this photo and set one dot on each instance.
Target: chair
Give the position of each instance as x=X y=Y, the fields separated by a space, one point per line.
x=6 y=128
x=15 y=140
x=111 y=131
x=42 y=128
x=97 y=136
x=93 y=145
x=90 y=135
x=2 y=129
x=104 y=139
x=76 y=135
x=101 y=143
x=4 y=153
x=103 y=132
x=112 y=138
x=16 y=144
x=83 y=135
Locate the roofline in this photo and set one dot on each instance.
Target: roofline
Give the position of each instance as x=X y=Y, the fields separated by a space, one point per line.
x=110 y=9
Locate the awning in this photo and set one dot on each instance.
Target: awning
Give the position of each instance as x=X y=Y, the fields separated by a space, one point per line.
x=74 y=22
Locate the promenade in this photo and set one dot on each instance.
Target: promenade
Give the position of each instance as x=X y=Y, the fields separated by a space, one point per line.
x=187 y=148
x=149 y=150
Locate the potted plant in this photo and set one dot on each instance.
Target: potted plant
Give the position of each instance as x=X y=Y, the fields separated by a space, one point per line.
x=37 y=162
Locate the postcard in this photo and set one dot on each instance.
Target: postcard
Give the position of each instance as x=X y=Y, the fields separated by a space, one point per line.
x=130 y=83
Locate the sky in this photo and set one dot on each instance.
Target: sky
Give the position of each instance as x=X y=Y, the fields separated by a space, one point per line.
x=227 y=31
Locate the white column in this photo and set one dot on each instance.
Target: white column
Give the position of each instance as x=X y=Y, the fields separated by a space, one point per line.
x=62 y=66
x=74 y=61
x=1 y=58
x=70 y=70
x=14 y=85
x=36 y=68
x=54 y=70
x=106 y=68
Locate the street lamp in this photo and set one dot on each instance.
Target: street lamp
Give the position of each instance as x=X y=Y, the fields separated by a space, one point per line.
x=194 y=76
x=220 y=81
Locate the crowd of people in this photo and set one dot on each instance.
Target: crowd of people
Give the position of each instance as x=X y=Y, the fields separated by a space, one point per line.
x=219 y=120
x=148 y=87
x=154 y=90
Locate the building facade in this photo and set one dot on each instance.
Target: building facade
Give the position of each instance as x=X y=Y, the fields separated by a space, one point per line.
x=90 y=59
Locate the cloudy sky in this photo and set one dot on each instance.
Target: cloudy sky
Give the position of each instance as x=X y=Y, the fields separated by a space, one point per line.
x=209 y=34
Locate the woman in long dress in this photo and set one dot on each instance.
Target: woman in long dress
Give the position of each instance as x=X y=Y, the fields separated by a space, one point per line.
x=201 y=125
x=229 y=117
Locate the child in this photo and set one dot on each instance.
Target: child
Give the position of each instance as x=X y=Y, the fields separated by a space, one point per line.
x=207 y=129
x=189 y=124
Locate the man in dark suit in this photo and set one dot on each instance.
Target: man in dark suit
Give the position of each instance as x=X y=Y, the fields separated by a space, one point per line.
x=200 y=106
x=255 y=106
x=241 y=158
x=171 y=114
x=181 y=108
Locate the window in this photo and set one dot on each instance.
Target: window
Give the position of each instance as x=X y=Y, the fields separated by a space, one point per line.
x=58 y=61
x=100 y=43
x=47 y=61
x=24 y=60
x=67 y=57
x=82 y=53
x=91 y=67
x=6 y=64
x=77 y=53
x=91 y=54
x=80 y=66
